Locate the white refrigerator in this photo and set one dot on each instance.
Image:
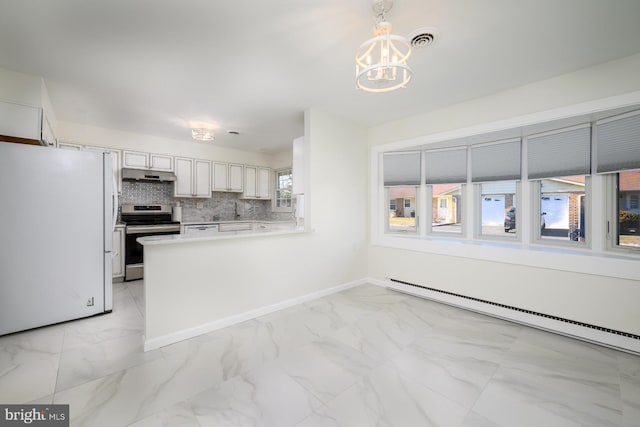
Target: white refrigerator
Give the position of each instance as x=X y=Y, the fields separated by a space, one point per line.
x=56 y=231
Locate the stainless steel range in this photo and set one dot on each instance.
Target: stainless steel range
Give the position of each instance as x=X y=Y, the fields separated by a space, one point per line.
x=142 y=221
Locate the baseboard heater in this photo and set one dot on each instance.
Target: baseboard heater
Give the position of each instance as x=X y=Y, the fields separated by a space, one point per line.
x=593 y=333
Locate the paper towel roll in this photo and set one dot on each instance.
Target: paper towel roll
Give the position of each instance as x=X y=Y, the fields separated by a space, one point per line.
x=177 y=214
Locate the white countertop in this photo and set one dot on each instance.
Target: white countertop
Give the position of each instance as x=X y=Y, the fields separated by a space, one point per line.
x=237 y=221
x=172 y=239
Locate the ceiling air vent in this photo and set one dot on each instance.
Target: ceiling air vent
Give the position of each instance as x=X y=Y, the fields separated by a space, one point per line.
x=422 y=37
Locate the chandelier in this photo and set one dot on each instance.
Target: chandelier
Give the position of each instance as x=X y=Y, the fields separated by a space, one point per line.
x=202 y=134
x=381 y=62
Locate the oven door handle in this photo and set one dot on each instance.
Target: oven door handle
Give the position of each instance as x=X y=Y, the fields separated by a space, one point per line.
x=139 y=229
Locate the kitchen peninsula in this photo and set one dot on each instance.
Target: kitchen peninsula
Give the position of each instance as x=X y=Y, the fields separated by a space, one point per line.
x=194 y=285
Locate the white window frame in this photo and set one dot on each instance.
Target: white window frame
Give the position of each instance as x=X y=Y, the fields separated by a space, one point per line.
x=600 y=259
x=274 y=207
x=611 y=230
x=536 y=223
x=387 y=213
x=477 y=220
x=434 y=231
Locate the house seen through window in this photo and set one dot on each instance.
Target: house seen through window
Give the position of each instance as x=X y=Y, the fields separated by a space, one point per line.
x=628 y=195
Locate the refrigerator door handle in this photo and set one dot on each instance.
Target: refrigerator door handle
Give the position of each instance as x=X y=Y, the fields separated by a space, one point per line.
x=114 y=199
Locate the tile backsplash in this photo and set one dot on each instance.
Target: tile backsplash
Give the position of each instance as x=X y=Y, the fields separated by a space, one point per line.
x=220 y=207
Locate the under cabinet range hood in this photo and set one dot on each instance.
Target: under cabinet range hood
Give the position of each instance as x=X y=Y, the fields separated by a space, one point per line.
x=147 y=175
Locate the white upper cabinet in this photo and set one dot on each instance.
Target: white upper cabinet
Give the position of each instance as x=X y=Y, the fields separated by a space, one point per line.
x=257 y=182
x=235 y=177
x=26 y=114
x=227 y=177
x=161 y=162
x=193 y=178
x=20 y=121
x=135 y=160
x=264 y=183
x=69 y=146
x=220 y=176
x=140 y=160
x=250 y=182
x=183 y=187
x=202 y=178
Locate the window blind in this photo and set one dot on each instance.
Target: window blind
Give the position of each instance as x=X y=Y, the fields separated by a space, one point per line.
x=446 y=166
x=618 y=143
x=561 y=153
x=496 y=161
x=401 y=168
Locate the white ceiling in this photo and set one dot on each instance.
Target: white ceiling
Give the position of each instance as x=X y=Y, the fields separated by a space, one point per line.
x=159 y=66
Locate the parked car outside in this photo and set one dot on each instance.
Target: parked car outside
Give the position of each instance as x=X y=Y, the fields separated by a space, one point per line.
x=510 y=220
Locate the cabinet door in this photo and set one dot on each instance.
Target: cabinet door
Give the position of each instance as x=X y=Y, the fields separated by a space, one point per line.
x=69 y=146
x=235 y=178
x=264 y=183
x=220 y=176
x=134 y=159
x=161 y=162
x=21 y=121
x=202 y=178
x=250 y=179
x=183 y=187
x=118 y=252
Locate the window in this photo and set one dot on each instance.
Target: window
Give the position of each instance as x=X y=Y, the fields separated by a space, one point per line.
x=445 y=176
x=401 y=181
x=617 y=153
x=560 y=162
x=403 y=218
x=628 y=212
x=498 y=209
x=446 y=206
x=562 y=209
x=495 y=167
x=282 y=198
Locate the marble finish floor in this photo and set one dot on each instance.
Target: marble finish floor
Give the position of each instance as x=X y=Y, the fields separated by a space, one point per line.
x=366 y=356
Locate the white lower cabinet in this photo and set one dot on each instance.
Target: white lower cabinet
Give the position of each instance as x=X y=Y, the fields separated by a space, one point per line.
x=118 y=253
x=193 y=178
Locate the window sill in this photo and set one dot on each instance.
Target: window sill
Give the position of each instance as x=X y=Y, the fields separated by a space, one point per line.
x=578 y=260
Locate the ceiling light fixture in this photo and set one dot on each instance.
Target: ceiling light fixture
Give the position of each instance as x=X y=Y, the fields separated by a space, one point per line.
x=202 y=134
x=381 y=62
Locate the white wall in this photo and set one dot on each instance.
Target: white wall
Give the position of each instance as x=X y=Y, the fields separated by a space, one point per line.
x=591 y=298
x=191 y=284
x=283 y=159
x=20 y=88
x=103 y=137
x=608 y=79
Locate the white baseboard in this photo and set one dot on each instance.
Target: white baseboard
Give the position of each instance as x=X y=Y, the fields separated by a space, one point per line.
x=607 y=339
x=174 y=337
